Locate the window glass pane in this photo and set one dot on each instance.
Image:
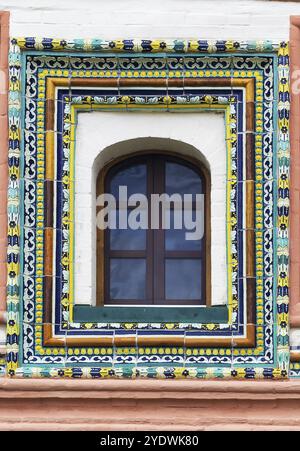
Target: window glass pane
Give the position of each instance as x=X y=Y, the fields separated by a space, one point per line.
x=127 y=278
x=134 y=177
x=181 y=179
x=175 y=238
x=127 y=239
x=183 y=279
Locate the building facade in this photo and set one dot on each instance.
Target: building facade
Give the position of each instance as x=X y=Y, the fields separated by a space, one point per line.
x=143 y=328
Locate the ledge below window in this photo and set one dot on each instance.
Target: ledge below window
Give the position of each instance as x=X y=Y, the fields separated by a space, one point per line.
x=145 y=315
x=204 y=315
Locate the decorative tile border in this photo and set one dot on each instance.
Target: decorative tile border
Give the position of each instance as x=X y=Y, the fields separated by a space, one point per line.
x=4 y=45
x=126 y=104
x=228 y=105
x=146 y=45
x=280 y=366
x=82 y=102
x=294 y=190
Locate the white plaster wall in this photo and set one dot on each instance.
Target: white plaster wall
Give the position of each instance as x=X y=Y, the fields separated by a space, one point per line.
x=109 y=19
x=97 y=131
x=295 y=337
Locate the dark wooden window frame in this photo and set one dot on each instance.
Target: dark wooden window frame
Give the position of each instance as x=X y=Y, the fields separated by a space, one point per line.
x=154 y=253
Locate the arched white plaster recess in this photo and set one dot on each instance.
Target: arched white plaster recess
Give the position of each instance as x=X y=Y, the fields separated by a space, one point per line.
x=102 y=136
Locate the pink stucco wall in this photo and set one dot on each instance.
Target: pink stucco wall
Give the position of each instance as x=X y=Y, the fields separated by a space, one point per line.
x=150 y=405
x=295 y=172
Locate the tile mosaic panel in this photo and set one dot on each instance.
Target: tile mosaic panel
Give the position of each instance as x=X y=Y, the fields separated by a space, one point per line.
x=41 y=124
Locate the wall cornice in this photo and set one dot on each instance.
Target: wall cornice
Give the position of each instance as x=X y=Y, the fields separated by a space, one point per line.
x=148 y=405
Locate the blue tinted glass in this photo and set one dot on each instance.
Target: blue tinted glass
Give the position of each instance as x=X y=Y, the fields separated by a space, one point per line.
x=183 y=279
x=181 y=179
x=176 y=239
x=127 y=278
x=127 y=239
x=134 y=177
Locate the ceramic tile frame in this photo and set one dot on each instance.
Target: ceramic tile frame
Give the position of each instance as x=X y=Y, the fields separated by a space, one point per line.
x=239 y=342
x=4 y=45
x=80 y=104
x=280 y=52
x=295 y=190
x=70 y=124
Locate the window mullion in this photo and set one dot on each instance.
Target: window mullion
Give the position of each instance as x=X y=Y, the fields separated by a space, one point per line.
x=159 y=238
x=150 y=236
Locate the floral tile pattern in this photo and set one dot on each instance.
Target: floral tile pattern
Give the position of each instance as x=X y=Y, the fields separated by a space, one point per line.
x=47 y=77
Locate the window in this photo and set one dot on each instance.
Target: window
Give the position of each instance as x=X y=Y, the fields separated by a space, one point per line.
x=157 y=264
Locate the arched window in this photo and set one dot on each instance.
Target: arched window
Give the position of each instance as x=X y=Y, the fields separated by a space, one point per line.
x=167 y=261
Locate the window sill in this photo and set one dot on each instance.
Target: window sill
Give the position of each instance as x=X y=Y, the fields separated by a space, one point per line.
x=204 y=315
